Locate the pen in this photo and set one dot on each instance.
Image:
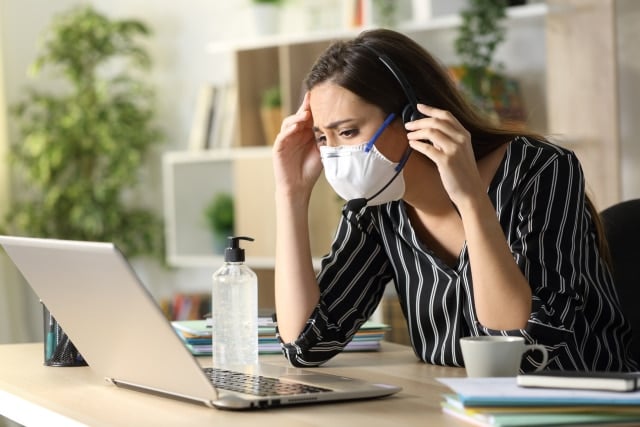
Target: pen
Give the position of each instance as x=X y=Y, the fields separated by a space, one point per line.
x=50 y=342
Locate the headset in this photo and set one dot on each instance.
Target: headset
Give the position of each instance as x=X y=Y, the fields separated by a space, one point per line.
x=409 y=113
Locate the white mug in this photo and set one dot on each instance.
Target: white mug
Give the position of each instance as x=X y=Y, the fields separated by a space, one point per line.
x=497 y=355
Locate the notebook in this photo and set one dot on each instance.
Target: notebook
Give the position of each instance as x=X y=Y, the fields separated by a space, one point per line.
x=112 y=319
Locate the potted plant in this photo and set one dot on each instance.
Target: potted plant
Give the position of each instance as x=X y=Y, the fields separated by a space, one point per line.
x=266 y=14
x=271 y=112
x=80 y=149
x=219 y=214
x=479 y=76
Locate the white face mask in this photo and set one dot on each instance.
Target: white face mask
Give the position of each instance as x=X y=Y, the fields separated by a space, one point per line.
x=361 y=171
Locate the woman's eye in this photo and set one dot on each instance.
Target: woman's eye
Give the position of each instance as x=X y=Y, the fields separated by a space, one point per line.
x=321 y=139
x=348 y=133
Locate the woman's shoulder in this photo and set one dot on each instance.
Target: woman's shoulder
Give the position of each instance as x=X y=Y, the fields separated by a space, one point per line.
x=531 y=159
x=540 y=145
x=538 y=151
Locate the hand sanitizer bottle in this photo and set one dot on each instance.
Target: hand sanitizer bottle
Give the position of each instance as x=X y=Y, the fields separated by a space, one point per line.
x=234 y=311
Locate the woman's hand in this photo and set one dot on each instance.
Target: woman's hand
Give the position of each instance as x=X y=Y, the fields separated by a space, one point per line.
x=296 y=157
x=502 y=295
x=450 y=150
x=297 y=166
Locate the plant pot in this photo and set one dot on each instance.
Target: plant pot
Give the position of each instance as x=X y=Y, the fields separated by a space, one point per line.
x=58 y=348
x=271 y=123
x=267 y=18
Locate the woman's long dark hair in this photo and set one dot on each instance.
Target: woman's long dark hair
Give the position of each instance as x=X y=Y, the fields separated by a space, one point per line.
x=354 y=65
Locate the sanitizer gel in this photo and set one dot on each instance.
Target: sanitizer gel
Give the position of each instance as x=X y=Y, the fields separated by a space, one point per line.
x=234 y=311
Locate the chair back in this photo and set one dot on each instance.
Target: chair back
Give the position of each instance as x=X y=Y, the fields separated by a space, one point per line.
x=622 y=229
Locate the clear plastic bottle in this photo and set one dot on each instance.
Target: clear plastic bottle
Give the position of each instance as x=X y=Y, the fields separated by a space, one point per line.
x=234 y=311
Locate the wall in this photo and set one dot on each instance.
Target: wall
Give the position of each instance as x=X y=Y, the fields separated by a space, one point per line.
x=628 y=34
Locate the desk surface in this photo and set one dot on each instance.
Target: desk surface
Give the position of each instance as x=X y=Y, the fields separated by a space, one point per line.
x=31 y=393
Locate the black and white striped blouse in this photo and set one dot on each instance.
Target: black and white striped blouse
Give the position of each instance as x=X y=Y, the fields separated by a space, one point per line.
x=538 y=193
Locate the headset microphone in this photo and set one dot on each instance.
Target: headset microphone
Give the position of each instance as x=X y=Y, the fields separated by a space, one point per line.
x=355 y=205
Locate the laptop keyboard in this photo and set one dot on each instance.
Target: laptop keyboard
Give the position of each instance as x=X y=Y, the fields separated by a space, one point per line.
x=257 y=385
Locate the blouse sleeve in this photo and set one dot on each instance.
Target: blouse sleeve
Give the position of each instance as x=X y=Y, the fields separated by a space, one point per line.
x=548 y=244
x=352 y=280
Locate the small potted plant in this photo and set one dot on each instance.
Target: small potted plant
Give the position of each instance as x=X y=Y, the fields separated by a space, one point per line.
x=271 y=113
x=220 y=218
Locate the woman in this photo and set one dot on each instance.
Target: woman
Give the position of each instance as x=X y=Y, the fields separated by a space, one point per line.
x=482 y=230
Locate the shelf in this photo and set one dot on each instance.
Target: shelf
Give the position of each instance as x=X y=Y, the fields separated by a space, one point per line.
x=285 y=60
x=189 y=183
x=191 y=179
x=215 y=261
x=452 y=21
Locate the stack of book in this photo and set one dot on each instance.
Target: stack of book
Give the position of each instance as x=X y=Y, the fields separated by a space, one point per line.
x=502 y=402
x=197 y=336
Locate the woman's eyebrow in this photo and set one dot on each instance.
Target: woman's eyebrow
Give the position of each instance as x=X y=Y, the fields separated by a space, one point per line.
x=333 y=125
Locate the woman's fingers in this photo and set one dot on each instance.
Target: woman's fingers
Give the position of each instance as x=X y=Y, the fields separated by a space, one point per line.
x=440 y=128
x=305 y=103
x=302 y=115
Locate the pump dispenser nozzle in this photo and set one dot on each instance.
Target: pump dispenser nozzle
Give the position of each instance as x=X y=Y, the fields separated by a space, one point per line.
x=234 y=253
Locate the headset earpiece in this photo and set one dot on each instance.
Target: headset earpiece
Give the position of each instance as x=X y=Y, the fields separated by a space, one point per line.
x=410 y=113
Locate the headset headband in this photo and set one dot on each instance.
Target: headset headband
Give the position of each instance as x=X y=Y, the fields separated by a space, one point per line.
x=410 y=112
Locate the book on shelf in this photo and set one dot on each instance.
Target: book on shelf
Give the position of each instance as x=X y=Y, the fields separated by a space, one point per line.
x=214 y=117
x=203 y=117
x=222 y=132
x=500 y=401
x=186 y=305
x=197 y=336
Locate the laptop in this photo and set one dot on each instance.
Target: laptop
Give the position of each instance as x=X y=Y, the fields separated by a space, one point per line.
x=121 y=332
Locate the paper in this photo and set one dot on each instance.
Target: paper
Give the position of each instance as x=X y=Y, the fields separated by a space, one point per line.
x=505 y=391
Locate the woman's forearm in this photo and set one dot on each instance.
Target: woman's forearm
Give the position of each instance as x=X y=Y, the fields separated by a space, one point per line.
x=296 y=288
x=501 y=293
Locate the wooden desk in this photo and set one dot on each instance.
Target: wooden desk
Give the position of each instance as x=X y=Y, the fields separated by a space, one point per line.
x=34 y=394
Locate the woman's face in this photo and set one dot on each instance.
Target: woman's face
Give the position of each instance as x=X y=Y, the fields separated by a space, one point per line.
x=340 y=117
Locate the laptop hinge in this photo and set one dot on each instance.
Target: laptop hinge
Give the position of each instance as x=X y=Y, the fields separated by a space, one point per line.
x=162 y=393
